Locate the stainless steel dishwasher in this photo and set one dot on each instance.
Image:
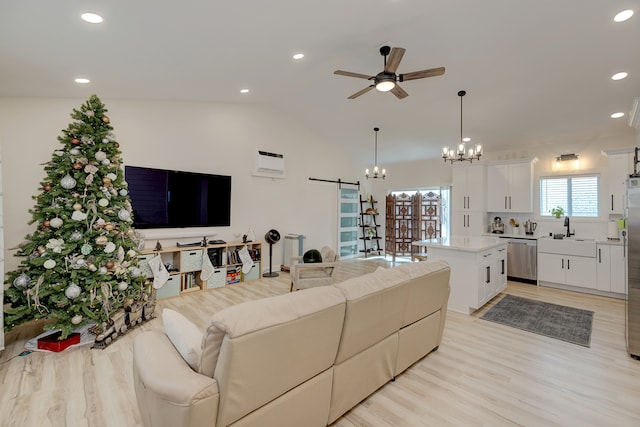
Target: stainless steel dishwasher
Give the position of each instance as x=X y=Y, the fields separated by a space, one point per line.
x=522 y=260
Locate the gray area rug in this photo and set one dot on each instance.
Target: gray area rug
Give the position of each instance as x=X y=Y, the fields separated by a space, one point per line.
x=552 y=320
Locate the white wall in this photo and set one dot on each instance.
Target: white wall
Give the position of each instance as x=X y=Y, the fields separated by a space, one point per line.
x=200 y=137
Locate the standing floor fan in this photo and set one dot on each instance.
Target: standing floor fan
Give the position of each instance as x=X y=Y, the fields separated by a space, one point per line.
x=271 y=237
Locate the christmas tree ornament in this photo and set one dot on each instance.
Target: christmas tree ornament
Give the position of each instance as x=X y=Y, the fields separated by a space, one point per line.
x=91 y=169
x=46 y=223
x=89 y=113
x=74 y=151
x=68 y=182
x=106 y=180
x=59 y=153
x=77 y=206
x=49 y=264
x=109 y=227
x=102 y=240
x=79 y=263
x=75 y=141
x=105 y=119
x=109 y=247
x=78 y=216
x=87 y=140
x=55 y=245
x=86 y=249
x=103 y=202
x=76 y=319
x=100 y=222
x=92 y=267
x=109 y=264
x=123 y=192
x=46 y=187
x=77 y=166
x=103 y=270
x=112 y=176
x=124 y=215
x=106 y=162
x=73 y=291
x=41 y=249
x=100 y=155
x=122 y=286
x=56 y=222
x=76 y=235
x=22 y=281
x=105 y=140
x=89 y=179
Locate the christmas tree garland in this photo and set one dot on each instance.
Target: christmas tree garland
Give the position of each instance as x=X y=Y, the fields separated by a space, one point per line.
x=80 y=265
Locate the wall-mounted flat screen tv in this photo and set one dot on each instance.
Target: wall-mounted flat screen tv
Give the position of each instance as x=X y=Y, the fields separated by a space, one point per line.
x=170 y=199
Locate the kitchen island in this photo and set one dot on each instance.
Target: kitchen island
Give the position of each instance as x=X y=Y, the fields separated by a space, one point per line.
x=478 y=268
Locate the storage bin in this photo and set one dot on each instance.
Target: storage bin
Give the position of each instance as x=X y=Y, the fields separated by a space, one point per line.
x=171 y=288
x=191 y=260
x=217 y=279
x=254 y=274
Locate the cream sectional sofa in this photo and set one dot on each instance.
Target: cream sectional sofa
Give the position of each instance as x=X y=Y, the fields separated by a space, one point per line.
x=298 y=359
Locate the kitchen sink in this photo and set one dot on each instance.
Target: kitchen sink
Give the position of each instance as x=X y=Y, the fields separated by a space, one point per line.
x=568 y=246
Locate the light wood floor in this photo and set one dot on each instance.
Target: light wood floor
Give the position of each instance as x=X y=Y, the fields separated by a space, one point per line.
x=483 y=374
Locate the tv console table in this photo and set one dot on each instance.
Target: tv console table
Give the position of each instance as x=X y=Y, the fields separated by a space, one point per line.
x=185 y=263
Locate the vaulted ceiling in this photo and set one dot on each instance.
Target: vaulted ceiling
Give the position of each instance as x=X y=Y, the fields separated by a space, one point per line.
x=536 y=72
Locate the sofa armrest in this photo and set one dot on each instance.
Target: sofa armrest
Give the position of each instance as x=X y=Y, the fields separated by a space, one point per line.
x=329 y=267
x=168 y=391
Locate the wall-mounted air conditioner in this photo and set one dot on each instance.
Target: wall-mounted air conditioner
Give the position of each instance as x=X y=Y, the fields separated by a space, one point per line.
x=269 y=165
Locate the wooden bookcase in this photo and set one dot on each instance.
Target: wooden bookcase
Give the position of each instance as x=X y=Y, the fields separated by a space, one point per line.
x=184 y=264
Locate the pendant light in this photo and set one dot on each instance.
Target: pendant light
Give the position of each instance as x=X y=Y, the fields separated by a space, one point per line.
x=376 y=170
x=461 y=154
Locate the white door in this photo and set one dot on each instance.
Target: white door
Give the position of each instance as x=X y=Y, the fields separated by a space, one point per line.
x=348 y=211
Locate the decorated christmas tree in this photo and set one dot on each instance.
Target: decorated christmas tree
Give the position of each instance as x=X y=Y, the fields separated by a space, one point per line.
x=80 y=265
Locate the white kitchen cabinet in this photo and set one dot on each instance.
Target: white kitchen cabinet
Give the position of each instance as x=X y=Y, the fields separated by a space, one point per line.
x=468 y=206
x=620 y=166
x=510 y=187
x=569 y=270
x=492 y=273
x=465 y=223
x=611 y=269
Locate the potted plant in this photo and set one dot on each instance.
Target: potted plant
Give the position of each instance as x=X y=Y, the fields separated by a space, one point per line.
x=558 y=211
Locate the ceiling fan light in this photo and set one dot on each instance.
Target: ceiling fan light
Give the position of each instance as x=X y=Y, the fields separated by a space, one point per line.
x=385 y=85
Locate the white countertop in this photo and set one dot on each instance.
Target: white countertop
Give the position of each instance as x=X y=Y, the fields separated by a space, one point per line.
x=468 y=244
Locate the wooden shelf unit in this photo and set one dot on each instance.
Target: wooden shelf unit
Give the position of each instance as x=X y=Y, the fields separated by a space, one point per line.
x=369 y=227
x=184 y=264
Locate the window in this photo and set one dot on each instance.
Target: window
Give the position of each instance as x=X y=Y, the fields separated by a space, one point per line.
x=577 y=195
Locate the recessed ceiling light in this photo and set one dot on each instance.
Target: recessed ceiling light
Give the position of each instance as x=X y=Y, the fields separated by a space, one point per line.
x=298 y=56
x=466 y=139
x=619 y=76
x=82 y=80
x=617 y=115
x=91 y=18
x=623 y=16
x=244 y=90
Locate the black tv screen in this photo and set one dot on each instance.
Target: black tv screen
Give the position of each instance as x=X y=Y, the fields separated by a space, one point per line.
x=164 y=198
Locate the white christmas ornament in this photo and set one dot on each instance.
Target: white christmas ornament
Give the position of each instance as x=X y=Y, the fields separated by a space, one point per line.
x=103 y=270
x=103 y=202
x=72 y=291
x=49 y=264
x=74 y=151
x=109 y=247
x=124 y=215
x=105 y=140
x=56 y=222
x=55 y=245
x=76 y=319
x=122 y=286
x=123 y=192
x=76 y=235
x=101 y=155
x=68 y=182
x=78 y=216
x=58 y=153
x=112 y=176
x=106 y=162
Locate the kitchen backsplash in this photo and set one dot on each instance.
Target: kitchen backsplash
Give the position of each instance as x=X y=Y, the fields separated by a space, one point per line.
x=588 y=229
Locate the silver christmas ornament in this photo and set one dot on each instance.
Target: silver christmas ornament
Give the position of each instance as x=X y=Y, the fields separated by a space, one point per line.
x=123 y=192
x=122 y=286
x=101 y=155
x=68 y=182
x=49 y=264
x=76 y=235
x=124 y=215
x=86 y=249
x=56 y=222
x=76 y=319
x=22 y=281
x=74 y=151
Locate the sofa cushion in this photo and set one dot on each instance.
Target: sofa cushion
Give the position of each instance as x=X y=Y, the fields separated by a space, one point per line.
x=185 y=337
x=375 y=309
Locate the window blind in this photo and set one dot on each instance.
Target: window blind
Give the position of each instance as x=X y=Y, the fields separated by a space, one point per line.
x=577 y=195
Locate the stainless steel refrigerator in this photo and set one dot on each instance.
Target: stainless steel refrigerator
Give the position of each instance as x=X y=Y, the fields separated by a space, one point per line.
x=632 y=252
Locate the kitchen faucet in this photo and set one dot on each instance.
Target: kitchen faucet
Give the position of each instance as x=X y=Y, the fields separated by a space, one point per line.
x=566 y=224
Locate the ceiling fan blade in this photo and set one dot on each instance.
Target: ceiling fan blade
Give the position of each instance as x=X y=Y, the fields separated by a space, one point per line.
x=432 y=72
x=394 y=60
x=350 y=74
x=399 y=92
x=361 y=92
